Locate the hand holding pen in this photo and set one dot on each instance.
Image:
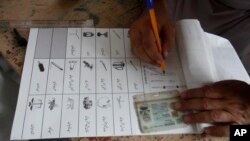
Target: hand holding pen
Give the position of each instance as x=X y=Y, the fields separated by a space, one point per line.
x=143 y=39
x=154 y=23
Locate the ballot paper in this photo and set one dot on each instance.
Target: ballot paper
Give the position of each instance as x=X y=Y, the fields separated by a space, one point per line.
x=80 y=82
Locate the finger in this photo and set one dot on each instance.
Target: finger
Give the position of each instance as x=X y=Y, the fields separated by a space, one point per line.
x=150 y=47
x=136 y=44
x=239 y=111
x=141 y=54
x=204 y=92
x=199 y=104
x=218 y=131
x=209 y=117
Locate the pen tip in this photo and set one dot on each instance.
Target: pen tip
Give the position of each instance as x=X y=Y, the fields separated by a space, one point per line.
x=163 y=72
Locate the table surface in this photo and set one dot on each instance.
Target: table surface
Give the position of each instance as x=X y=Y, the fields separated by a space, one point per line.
x=112 y=13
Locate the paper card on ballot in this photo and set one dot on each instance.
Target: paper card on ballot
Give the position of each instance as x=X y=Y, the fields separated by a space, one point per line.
x=155 y=114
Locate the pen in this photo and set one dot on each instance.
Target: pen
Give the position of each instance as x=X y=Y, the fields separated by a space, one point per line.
x=150 y=7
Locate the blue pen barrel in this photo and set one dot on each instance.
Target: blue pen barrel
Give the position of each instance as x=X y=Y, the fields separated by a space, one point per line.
x=150 y=4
